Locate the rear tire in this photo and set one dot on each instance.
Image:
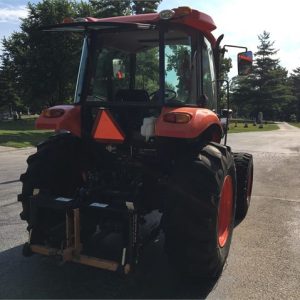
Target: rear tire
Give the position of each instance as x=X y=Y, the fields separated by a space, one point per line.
x=54 y=169
x=244 y=172
x=198 y=220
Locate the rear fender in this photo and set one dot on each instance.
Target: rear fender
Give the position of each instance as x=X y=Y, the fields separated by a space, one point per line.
x=212 y=134
x=202 y=121
x=69 y=120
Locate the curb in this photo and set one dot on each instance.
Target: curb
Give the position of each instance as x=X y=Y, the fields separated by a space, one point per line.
x=4 y=149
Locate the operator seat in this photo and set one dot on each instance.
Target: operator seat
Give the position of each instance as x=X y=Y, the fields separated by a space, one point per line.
x=131 y=117
x=132 y=96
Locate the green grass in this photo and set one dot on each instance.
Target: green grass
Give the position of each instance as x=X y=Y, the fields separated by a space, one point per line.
x=21 y=133
x=295 y=124
x=240 y=127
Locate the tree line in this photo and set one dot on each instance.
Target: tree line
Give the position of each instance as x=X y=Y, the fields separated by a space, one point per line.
x=39 y=69
x=268 y=88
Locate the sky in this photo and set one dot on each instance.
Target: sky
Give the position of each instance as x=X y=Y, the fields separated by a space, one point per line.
x=240 y=22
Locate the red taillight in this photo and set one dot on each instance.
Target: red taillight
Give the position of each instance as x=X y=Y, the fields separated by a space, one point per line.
x=53 y=113
x=179 y=118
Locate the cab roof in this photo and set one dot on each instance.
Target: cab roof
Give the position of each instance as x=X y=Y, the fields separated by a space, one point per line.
x=194 y=19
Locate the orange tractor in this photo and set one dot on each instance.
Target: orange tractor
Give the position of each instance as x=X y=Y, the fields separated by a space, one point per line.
x=139 y=153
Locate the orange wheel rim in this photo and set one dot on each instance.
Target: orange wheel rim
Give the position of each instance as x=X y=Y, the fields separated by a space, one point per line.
x=225 y=211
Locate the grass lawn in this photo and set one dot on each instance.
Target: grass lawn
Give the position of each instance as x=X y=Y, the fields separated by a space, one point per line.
x=295 y=124
x=240 y=127
x=21 y=133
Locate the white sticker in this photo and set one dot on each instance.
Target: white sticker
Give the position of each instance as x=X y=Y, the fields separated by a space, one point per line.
x=130 y=205
x=35 y=192
x=96 y=204
x=62 y=199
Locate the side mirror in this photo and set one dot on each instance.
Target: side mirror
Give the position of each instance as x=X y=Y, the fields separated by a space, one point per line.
x=245 y=60
x=118 y=68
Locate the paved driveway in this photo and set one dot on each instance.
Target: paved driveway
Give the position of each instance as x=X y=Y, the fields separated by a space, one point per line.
x=264 y=260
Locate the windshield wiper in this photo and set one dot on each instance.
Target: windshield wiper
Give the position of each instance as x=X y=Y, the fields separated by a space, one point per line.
x=96 y=98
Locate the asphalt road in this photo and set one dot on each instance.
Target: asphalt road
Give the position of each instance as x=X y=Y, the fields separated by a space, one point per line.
x=264 y=259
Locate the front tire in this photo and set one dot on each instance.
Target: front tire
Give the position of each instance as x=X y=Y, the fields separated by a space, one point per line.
x=199 y=214
x=244 y=172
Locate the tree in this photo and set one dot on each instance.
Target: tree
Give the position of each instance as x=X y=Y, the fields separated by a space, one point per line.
x=40 y=69
x=109 y=8
x=9 y=99
x=147 y=70
x=44 y=64
x=267 y=89
x=295 y=83
x=144 y=7
x=225 y=66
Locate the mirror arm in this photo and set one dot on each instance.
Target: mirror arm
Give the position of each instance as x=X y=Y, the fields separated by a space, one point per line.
x=227 y=117
x=218 y=53
x=233 y=46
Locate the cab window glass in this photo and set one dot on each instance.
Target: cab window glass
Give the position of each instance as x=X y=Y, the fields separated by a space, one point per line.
x=209 y=80
x=179 y=67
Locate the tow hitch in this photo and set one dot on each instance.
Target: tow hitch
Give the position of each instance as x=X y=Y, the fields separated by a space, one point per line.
x=72 y=248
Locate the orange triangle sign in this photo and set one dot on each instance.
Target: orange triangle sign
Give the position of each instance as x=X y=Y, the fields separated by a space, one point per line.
x=106 y=130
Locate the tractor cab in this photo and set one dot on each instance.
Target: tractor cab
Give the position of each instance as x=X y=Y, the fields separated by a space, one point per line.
x=153 y=69
x=137 y=65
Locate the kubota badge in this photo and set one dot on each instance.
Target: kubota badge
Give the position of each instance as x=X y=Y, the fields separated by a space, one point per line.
x=106 y=130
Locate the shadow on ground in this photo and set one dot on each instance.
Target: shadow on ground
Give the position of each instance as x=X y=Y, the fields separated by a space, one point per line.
x=43 y=277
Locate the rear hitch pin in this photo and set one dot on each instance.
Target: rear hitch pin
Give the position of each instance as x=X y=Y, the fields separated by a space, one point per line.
x=123 y=256
x=29 y=236
x=131 y=151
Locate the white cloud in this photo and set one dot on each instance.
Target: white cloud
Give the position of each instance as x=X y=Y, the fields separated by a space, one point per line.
x=12 y=14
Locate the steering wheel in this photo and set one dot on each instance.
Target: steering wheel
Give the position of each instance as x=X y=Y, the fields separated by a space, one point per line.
x=169 y=95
